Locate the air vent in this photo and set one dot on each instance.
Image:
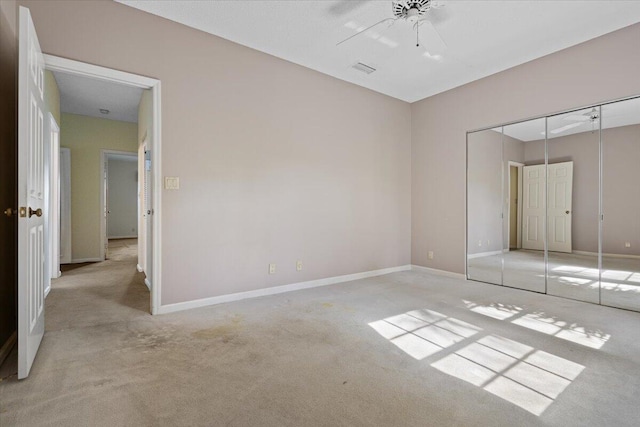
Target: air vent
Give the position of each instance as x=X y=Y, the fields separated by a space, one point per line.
x=364 y=68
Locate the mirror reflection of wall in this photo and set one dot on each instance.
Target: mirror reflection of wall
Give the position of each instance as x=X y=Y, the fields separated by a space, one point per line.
x=554 y=178
x=484 y=206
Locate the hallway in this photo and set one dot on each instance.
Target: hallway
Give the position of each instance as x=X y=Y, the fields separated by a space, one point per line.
x=94 y=294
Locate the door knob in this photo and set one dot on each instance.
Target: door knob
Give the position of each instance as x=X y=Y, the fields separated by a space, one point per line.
x=9 y=212
x=37 y=212
x=567 y=212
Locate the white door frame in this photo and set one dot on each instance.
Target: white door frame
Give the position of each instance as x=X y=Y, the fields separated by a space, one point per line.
x=104 y=159
x=519 y=213
x=65 y=205
x=52 y=214
x=55 y=63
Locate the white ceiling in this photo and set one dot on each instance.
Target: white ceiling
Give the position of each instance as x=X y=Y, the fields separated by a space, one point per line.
x=617 y=114
x=483 y=37
x=86 y=96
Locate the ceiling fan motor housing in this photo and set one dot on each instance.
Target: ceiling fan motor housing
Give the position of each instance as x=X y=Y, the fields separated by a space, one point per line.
x=411 y=10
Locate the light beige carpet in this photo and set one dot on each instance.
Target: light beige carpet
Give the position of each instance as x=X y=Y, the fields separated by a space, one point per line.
x=405 y=349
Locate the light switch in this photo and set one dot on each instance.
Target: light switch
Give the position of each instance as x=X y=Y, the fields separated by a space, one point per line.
x=171 y=183
x=299 y=266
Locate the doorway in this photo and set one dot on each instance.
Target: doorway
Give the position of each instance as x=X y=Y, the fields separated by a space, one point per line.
x=119 y=197
x=152 y=140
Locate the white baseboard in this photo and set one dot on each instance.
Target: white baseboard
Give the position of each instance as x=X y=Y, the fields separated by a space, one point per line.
x=170 y=308
x=139 y=268
x=46 y=291
x=147 y=282
x=8 y=346
x=607 y=255
x=438 y=272
x=81 y=260
x=483 y=254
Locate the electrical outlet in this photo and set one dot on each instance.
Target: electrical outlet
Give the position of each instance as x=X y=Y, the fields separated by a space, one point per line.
x=299 y=265
x=627 y=244
x=272 y=269
x=489 y=242
x=479 y=242
x=430 y=254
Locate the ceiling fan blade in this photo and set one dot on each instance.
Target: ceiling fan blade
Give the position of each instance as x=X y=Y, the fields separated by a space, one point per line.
x=429 y=37
x=340 y=8
x=577 y=118
x=365 y=30
x=438 y=14
x=567 y=127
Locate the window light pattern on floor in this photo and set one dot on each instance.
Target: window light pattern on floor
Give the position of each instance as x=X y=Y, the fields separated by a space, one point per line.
x=542 y=322
x=522 y=375
x=529 y=378
x=421 y=333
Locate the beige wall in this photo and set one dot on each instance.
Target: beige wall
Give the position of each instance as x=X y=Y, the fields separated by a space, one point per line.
x=86 y=137
x=52 y=95
x=277 y=163
x=601 y=69
x=8 y=162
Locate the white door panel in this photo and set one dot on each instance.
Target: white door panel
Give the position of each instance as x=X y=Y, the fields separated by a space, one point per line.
x=533 y=211
x=31 y=187
x=560 y=184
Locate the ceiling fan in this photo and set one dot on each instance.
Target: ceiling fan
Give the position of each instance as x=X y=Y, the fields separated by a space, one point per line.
x=579 y=120
x=418 y=13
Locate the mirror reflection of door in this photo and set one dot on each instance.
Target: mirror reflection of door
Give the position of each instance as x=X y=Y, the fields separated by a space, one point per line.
x=560 y=185
x=533 y=208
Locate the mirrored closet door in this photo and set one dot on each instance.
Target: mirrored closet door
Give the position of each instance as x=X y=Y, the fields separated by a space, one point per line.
x=484 y=207
x=573 y=181
x=553 y=205
x=525 y=221
x=620 y=273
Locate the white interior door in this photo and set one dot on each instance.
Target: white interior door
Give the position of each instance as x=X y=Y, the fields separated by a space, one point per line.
x=533 y=202
x=54 y=198
x=560 y=179
x=148 y=191
x=31 y=195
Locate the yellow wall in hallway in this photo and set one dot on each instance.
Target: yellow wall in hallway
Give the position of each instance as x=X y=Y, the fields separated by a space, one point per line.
x=52 y=95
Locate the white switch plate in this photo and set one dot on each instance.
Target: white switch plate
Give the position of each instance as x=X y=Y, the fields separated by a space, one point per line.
x=430 y=254
x=627 y=244
x=299 y=266
x=171 y=183
x=272 y=269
